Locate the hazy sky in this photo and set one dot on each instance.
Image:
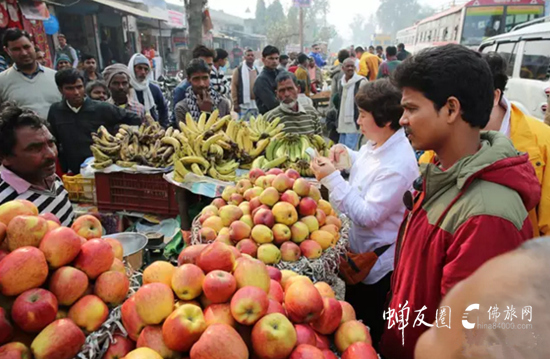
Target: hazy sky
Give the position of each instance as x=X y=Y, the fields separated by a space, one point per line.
x=341 y=11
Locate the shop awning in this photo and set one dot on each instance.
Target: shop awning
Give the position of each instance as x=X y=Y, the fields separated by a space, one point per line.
x=128 y=9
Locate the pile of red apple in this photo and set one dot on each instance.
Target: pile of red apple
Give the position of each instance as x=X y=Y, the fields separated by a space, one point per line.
x=56 y=283
x=215 y=305
x=272 y=216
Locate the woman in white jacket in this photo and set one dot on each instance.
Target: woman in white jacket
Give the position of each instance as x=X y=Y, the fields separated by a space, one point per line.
x=381 y=172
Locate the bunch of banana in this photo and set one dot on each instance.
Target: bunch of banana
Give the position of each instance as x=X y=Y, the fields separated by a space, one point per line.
x=294 y=148
x=225 y=144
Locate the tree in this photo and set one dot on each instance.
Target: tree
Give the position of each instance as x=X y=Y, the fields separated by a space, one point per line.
x=276 y=15
x=362 y=30
x=261 y=12
x=194 y=10
x=336 y=44
x=394 y=15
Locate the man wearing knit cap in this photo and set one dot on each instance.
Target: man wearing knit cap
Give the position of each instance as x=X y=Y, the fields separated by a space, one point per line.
x=63 y=62
x=67 y=50
x=147 y=93
x=117 y=78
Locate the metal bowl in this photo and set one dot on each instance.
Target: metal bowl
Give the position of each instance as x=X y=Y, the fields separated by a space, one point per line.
x=132 y=245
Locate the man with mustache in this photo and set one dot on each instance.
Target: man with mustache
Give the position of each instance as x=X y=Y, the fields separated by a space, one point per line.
x=73 y=119
x=27 y=154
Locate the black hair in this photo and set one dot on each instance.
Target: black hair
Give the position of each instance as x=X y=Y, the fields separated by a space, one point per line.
x=14 y=34
x=383 y=100
x=314 y=45
x=86 y=57
x=13 y=117
x=401 y=46
x=391 y=50
x=285 y=75
x=97 y=83
x=303 y=58
x=498 y=67
x=270 y=50
x=68 y=77
x=61 y=35
x=379 y=48
x=359 y=49
x=248 y=50
x=195 y=66
x=220 y=55
x=283 y=57
x=451 y=70
x=202 y=51
x=371 y=47
x=342 y=55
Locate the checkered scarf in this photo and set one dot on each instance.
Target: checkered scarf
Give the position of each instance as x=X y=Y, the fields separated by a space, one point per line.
x=190 y=101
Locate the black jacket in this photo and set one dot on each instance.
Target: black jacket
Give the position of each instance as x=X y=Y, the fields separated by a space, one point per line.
x=160 y=111
x=73 y=131
x=264 y=90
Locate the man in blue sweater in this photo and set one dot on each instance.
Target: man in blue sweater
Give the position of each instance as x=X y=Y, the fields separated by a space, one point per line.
x=316 y=54
x=147 y=93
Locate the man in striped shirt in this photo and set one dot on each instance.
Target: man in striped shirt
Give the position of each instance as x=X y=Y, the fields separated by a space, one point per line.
x=298 y=118
x=217 y=75
x=28 y=153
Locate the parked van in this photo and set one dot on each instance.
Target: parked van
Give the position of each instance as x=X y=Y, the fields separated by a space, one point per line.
x=527 y=50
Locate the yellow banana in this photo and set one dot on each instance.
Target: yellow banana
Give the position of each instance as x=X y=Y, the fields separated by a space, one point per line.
x=102 y=165
x=98 y=155
x=195 y=160
x=196 y=169
x=191 y=123
x=202 y=121
x=260 y=147
x=231 y=127
x=172 y=142
x=126 y=163
x=169 y=131
x=277 y=130
x=215 y=174
x=275 y=163
x=211 y=120
x=206 y=144
x=180 y=169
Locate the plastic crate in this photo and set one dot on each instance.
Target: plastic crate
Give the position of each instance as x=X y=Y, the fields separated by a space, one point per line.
x=80 y=189
x=144 y=193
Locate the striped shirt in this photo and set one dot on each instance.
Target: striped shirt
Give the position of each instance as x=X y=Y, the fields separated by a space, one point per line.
x=55 y=200
x=218 y=81
x=303 y=122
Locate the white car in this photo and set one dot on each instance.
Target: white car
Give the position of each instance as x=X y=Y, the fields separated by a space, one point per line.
x=527 y=50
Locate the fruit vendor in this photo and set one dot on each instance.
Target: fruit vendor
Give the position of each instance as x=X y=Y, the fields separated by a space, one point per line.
x=28 y=153
x=381 y=172
x=469 y=206
x=200 y=96
x=117 y=78
x=76 y=117
x=298 y=118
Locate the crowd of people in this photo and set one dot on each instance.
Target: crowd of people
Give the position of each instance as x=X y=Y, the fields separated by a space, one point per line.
x=427 y=231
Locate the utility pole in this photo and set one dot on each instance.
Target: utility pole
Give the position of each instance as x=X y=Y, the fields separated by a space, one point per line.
x=301 y=29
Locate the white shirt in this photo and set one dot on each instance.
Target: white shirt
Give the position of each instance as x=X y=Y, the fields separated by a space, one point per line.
x=373 y=197
x=505 y=126
x=74 y=109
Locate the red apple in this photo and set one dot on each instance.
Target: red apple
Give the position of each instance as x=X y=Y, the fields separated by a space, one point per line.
x=216 y=256
x=220 y=341
x=265 y=217
x=249 y=304
x=218 y=286
x=23 y=269
x=183 y=328
x=34 y=309
x=292 y=173
x=219 y=202
x=360 y=350
x=255 y=173
x=50 y=217
x=273 y=337
x=68 y=284
x=119 y=347
x=15 y=350
x=290 y=197
x=274 y=273
x=61 y=339
x=307 y=207
x=303 y=302
x=248 y=246
x=257 y=209
x=60 y=246
x=88 y=226
x=254 y=203
x=276 y=291
x=275 y=307
x=350 y=332
x=305 y=335
x=219 y=314
x=330 y=318
x=6 y=329
x=130 y=318
x=322 y=341
x=96 y=256
x=151 y=337
x=330 y=355
x=282 y=183
x=304 y=351
x=190 y=254
x=3 y=253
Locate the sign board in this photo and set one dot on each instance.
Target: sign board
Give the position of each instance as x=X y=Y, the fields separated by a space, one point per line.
x=504 y=2
x=176 y=19
x=302 y=3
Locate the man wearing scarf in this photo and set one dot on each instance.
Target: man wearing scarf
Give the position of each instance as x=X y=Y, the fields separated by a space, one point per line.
x=200 y=97
x=117 y=77
x=348 y=114
x=242 y=85
x=148 y=94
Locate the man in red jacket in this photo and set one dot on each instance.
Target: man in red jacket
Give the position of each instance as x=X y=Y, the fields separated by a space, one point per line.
x=469 y=207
